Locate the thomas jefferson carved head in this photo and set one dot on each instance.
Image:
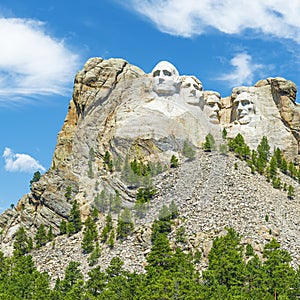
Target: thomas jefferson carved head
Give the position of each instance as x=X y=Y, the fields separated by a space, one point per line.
x=191 y=90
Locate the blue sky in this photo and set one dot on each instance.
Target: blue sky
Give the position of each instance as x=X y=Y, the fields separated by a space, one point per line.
x=225 y=43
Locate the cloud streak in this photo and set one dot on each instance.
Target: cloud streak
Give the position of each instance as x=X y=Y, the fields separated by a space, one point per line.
x=278 y=18
x=243 y=70
x=32 y=63
x=16 y=162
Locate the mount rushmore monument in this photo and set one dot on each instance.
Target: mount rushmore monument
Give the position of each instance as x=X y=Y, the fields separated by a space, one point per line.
x=117 y=108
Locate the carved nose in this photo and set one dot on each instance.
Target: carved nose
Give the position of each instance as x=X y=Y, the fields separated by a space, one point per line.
x=240 y=107
x=161 y=80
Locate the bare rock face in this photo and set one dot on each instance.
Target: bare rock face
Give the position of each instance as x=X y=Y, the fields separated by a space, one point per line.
x=118 y=109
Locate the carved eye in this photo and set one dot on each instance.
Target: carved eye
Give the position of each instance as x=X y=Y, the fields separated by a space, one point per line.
x=187 y=85
x=211 y=104
x=156 y=73
x=245 y=102
x=167 y=73
x=196 y=87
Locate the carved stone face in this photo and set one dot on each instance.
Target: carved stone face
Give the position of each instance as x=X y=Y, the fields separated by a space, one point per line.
x=191 y=90
x=211 y=108
x=243 y=104
x=165 y=79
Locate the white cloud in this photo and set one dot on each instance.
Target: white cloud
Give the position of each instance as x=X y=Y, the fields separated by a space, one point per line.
x=243 y=70
x=16 y=162
x=279 y=18
x=32 y=62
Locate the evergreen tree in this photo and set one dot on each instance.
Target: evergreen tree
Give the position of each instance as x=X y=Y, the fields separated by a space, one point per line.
x=238 y=146
x=21 y=243
x=125 y=224
x=263 y=149
x=117 y=203
x=72 y=277
x=224 y=133
x=111 y=239
x=284 y=166
x=95 y=214
x=41 y=236
x=278 y=156
x=291 y=192
x=174 y=162
x=292 y=169
x=36 y=177
x=74 y=224
x=281 y=276
x=68 y=193
x=89 y=235
x=50 y=235
x=226 y=267
x=188 y=150
x=173 y=209
x=144 y=195
x=273 y=166
x=209 y=143
x=95 y=254
x=108 y=163
x=107 y=228
x=101 y=201
x=63 y=227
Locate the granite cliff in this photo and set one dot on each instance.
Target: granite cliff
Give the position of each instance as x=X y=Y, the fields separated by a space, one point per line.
x=118 y=112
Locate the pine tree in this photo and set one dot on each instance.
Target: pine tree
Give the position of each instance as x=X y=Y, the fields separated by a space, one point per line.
x=50 y=235
x=101 y=201
x=63 y=227
x=95 y=214
x=68 y=193
x=36 y=178
x=117 y=203
x=188 y=150
x=224 y=133
x=111 y=240
x=291 y=192
x=108 y=163
x=174 y=162
x=226 y=266
x=107 y=228
x=125 y=224
x=273 y=166
x=21 y=243
x=95 y=254
x=263 y=149
x=41 y=236
x=173 y=209
x=89 y=235
x=74 y=224
x=284 y=166
x=209 y=143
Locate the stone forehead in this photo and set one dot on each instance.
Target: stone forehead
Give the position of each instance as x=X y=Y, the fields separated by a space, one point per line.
x=244 y=96
x=213 y=98
x=212 y=94
x=191 y=79
x=165 y=65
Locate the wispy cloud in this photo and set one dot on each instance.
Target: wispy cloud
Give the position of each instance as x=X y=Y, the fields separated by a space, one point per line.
x=16 y=162
x=243 y=70
x=279 y=18
x=32 y=62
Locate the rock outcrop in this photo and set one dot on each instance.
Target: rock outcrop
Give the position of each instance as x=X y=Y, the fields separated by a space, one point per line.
x=119 y=110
